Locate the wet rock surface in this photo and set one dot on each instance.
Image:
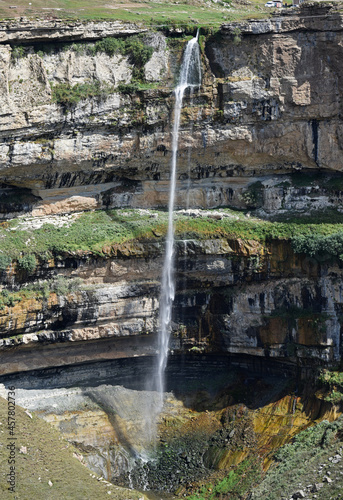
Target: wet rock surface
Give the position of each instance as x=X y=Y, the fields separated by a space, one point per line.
x=217 y=415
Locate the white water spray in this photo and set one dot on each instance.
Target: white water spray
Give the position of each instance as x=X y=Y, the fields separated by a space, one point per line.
x=190 y=77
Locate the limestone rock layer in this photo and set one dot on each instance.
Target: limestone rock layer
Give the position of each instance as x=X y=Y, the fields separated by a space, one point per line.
x=270 y=104
x=85 y=128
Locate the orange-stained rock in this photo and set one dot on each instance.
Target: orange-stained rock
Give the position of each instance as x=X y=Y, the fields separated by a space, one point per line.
x=275 y=331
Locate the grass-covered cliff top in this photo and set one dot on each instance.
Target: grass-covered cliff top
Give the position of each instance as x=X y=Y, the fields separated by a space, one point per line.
x=25 y=240
x=202 y=12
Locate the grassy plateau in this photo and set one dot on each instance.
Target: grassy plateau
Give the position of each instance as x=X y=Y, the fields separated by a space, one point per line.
x=151 y=12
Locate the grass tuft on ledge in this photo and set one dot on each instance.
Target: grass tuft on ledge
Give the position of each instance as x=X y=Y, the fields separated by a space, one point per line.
x=93 y=231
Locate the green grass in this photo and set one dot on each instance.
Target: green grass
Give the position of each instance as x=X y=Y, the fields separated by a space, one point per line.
x=297 y=464
x=48 y=457
x=234 y=485
x=90 y=232
x=94 y=231
x=195 y=12
x=251 y=229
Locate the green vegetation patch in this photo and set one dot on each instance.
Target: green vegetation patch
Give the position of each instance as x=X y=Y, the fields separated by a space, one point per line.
x=250 y=229
x=88 y=233
x=18 y=51
x=298 y=464
x=40 y=290
x=133 y=47
x=252 y=196
x=156 y=13
x=319 y=245
x=332 y=381
x=8 y=299
x=69 y=95
x=237 y=483
x=136 y=86
x=94 y=231
x=45 y=467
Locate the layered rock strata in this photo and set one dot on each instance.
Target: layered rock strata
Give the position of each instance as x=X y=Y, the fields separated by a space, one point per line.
x=262 y=116
x=270 y=104
x=232 y=297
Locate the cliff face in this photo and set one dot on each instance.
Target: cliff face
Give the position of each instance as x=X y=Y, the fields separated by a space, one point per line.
x=78 y=132
x=284 y=88
x=270 y=104
x=232 y=297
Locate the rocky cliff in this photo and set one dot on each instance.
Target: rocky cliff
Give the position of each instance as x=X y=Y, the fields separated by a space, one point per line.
x=232 y=297
x=269 y=105
x=86 y=124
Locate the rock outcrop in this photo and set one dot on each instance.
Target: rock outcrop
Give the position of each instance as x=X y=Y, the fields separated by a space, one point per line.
x=270 y=104
x=28 y=30
x=80 y=130
x=233 y=297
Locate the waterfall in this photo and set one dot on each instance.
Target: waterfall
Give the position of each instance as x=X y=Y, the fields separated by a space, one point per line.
x=190 y=77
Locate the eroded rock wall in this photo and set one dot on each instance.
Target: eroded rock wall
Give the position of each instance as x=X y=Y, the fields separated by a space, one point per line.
x=232 y=297
x=269 y=104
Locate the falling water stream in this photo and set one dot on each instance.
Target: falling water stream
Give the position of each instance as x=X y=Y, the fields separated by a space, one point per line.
x=190 y=77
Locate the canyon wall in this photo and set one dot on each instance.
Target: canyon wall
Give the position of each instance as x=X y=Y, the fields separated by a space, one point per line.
x=263 y=133
x=269 y=105
x=231 y=297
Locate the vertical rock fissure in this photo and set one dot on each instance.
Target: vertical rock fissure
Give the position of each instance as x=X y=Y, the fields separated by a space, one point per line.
x=315 y=133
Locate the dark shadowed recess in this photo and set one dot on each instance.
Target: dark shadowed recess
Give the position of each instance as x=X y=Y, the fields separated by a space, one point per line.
x=200 y=381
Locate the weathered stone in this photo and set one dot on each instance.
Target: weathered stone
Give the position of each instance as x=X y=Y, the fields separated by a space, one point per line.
x=266 y=114
x=299 y=494
x=317 y=487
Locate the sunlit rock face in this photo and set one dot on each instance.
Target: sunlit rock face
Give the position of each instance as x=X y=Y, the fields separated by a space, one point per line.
x=232 y=297
x=269 y=105
x=263 y=133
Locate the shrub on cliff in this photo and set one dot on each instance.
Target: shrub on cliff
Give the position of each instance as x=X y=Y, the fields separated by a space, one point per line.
x=128 y=88
x=319 y=245
x=133 y=47
x=69 y=95
x=8 y=299
x=17 y=52
x=332 y=381
x=5 y=261
x=27 y=263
